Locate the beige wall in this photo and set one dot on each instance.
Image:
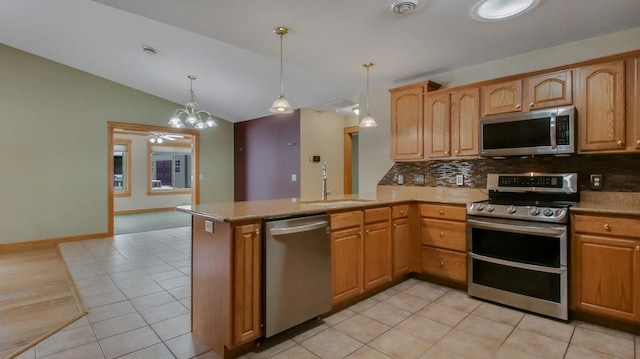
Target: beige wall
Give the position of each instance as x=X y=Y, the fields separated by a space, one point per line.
x=321 y=134
x=375 y=143
x=53 y=140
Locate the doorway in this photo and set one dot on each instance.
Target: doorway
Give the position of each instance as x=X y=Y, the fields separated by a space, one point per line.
x=151 y=170
x=351 y=163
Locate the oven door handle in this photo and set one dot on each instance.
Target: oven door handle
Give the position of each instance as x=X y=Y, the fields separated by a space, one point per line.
x=519 y=228
x=531 y=267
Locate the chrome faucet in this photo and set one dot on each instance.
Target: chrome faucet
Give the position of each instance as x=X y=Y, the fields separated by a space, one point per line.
x=325 y=193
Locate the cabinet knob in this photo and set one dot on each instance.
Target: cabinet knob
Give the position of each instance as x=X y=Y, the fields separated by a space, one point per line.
x=532 y=104
x=257 y=232
x=518 y=106
x=607 y=227
x=456 y=152
x=441 y=263
x=446 y=152
x=359 y=234
x=402 y=211
x=637 y=248
x=620 y=143
x=367 y=232
x=395 y=225
x=637 y=142
x=441 y=212
x=441 y=235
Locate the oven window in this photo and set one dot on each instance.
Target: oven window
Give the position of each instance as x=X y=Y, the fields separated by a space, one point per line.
x=516 y=247
x=522 y=281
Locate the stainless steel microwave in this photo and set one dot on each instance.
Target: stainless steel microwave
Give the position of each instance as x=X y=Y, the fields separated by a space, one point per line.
x=542 y=132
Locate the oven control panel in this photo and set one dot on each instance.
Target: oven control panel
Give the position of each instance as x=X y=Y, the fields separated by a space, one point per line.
x=527 y=213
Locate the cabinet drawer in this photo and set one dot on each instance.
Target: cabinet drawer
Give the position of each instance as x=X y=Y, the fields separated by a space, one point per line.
x=400 y=211
x=443 y=211
x=611 y=226
x=444 y=263
x=346 y=219
x=373 y=215
x=444 y=234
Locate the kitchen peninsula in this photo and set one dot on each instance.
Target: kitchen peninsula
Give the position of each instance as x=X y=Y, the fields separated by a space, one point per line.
x=227 y=252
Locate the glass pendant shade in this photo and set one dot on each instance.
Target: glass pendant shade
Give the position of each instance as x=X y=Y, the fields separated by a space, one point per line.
x=368 y=121
x=281 y=105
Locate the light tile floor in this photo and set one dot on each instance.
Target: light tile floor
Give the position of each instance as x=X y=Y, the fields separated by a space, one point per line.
x=137 y=290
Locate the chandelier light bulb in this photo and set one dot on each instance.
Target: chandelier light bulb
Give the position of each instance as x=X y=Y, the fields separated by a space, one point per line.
x=159 y=140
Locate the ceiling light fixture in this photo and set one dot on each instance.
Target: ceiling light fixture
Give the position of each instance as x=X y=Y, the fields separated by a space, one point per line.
x=196 y=118
x=497 y=10
x=160 y=137
x=368 y=121
x=281 y=105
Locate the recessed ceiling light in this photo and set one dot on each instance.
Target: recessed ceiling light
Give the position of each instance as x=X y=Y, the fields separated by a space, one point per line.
x=497 y=10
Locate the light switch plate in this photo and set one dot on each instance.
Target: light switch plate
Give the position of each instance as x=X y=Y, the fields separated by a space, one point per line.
x=294 y=177
x=459 y=180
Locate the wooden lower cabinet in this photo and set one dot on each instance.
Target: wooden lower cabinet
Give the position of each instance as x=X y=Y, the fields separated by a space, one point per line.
x=225 y=283
x=247 y=277
x=606 y=266
x=443 y=239
x=347 y=257
x=377 y=249
x=444 y=263
x=400 y=242
x=346 y=264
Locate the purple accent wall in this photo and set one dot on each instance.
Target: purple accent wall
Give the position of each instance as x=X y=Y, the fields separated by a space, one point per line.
x=266 y=154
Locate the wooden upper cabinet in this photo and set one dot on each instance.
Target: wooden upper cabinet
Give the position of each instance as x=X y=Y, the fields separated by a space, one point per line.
x=407 y=121
x=438 y=125
x=600 y=102
x=548 y=90
x=407 y=124
x=465 y=115
x=633 y=104
x=502 y=97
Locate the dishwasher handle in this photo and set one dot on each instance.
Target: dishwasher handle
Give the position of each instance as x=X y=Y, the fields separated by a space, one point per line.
x=298 y=229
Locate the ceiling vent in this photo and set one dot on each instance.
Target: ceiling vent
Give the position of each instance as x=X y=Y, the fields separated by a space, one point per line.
x=404 y=7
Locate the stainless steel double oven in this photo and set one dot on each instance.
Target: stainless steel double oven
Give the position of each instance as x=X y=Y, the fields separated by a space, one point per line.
x=518 y=241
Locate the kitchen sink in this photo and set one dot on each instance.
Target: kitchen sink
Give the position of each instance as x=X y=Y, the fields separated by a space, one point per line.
x=330 y=203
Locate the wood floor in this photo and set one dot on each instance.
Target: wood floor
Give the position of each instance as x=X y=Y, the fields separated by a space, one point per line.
x=37 y=296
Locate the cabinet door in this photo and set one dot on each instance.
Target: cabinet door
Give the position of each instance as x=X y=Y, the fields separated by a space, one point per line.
x=438 y=125
x=407 y=124
x=503 y=97
x=606 y=276
x=377 y=255
x=548 y=90
x=346 y=264
x=633 y=104
x=400 y=242
x=443 y=263
x=247 y=277
x=600 y=102
x=465 y=114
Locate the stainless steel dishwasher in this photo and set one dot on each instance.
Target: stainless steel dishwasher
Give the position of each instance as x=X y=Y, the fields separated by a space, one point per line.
x=297 y=271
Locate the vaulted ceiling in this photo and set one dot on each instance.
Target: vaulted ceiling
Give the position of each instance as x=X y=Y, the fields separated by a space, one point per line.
x=231 y=48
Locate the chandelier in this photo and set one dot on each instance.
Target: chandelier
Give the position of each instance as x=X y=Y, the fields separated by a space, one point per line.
x=190 y=114
x=281 y=105
x=368 y=121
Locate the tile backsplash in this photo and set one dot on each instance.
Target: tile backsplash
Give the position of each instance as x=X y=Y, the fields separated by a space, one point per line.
x=621 y=172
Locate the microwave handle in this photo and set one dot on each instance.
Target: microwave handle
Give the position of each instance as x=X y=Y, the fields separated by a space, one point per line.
x=553 y=131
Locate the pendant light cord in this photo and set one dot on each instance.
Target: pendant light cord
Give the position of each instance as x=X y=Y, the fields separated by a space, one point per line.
x=281 y=71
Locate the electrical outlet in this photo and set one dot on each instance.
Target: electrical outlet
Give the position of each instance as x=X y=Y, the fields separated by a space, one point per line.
x=596 y=182
x=418 y=180
x=459 y=180
x=294 y=177
x=208 y=226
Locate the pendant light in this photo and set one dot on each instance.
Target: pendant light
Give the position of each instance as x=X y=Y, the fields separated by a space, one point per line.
x=281 y=105
x=368 y=121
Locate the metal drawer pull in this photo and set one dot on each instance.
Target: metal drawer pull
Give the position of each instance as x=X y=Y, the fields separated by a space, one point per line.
x=441 y=235
x=441 y=212
x=607 y=227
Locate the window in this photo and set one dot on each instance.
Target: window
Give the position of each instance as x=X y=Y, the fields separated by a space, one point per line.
x=121 y=168
x=170 y=168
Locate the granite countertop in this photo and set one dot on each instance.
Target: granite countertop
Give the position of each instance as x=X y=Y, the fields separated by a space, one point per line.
x=385 y=195
x=613 y=203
